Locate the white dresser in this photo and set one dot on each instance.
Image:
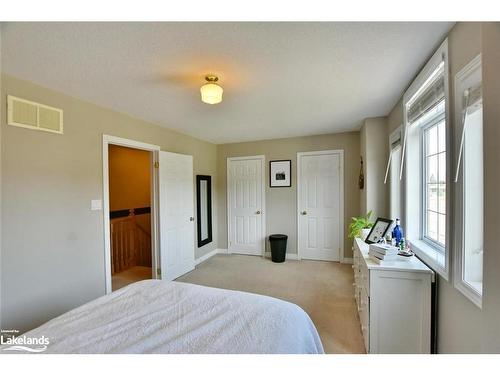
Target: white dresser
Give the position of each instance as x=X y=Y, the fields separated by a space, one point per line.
x=394 y=303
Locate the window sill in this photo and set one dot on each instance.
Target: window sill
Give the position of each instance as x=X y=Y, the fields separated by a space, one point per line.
x=432 y=257
x=470 y=290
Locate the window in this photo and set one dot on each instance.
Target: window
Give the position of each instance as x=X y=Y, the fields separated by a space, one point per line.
x=468 y=277
x=426 y=163
x=434 y=182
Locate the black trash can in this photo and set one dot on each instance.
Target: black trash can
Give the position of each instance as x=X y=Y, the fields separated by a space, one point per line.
x=278 y=247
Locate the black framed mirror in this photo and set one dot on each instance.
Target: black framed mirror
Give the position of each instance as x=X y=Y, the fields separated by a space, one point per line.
x=204 y=209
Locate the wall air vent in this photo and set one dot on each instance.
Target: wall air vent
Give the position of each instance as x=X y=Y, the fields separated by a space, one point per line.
x=31 y=115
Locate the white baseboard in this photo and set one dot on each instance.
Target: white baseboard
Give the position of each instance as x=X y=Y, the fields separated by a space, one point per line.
x=209 y=255
x=288 y=256
x=347 y=261
x=224 y=251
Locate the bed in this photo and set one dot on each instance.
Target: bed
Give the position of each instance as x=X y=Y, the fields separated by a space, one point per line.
x=154 y=316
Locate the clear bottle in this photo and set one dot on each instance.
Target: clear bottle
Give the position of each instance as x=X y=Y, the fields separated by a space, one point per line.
x=397 y=232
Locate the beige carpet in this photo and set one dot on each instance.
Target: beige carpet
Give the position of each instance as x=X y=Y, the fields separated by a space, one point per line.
x=133 y=274
x=323 y=289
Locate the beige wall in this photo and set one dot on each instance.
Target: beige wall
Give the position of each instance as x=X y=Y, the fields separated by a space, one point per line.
x=462 y=327
x=374 y=149
x=1 y=137
x=362 y=153
x=490 y=41
x=52 y=250
x=395 y=117
x=459 y=320
x=281 y=203
x=129 y=178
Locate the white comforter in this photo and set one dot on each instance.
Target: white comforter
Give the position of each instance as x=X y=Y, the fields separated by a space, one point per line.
x=155 y=316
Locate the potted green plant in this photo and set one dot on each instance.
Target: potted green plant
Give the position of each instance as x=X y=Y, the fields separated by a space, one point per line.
x=360 y=226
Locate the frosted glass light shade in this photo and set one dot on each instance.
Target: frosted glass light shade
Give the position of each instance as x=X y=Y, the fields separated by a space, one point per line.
x=211 y=93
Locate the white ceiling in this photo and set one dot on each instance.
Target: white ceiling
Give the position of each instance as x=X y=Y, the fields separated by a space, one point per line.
x=279 y=79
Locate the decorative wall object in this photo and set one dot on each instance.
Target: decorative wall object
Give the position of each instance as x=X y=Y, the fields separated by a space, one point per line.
x=280 y=173
x=361 y=182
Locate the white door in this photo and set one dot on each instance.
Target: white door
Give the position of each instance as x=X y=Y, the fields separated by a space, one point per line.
x=176 y=214
x=245 y=182
x=320 y=205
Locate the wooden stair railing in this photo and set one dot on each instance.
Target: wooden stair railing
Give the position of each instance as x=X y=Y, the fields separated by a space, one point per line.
x=130 y=244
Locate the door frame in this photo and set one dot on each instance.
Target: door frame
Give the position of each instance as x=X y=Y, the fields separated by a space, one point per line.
x=154 y=149
x=262 y=158
x=340 y=153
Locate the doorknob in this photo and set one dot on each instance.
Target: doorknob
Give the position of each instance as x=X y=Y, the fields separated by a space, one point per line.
x=191 y=218
x=303 y=213
x=258 y=212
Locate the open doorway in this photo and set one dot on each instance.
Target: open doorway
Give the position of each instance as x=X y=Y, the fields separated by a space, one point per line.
x=130 y=215
x=171 y=221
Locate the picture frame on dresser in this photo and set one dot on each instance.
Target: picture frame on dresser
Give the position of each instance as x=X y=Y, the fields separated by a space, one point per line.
x=379 y=230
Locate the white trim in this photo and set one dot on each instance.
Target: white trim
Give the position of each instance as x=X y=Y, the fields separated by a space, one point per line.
x=106 y=141
x=348 y=261
x=209 y=255
x=287 y=256
x=341 y=193
x=469 y=292
x=262 y=158
x=414 y=229
x=459 y=283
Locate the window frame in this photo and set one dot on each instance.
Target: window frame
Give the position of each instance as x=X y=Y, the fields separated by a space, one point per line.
x=412 y=208
x=473 y=67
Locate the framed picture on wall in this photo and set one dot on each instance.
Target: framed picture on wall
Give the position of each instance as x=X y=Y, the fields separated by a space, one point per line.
x=280 y=173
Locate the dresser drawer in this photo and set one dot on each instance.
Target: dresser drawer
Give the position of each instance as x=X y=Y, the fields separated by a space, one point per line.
x=364 y=277
x=364 y=317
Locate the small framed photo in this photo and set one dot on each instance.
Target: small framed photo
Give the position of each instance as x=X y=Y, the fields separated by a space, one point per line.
x=280 y=173
x=379 y=230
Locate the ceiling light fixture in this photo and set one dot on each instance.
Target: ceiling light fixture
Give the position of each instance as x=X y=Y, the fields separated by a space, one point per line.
x=211 y=92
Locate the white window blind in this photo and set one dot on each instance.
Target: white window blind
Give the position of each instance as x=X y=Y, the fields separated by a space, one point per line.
x=428 y=96
x=431 y=94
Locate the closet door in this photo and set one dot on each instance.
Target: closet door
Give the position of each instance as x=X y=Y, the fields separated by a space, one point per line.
x=176 y=214
x=245 y=184
x=320 y=199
